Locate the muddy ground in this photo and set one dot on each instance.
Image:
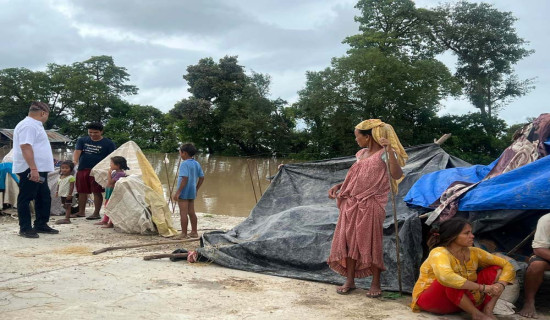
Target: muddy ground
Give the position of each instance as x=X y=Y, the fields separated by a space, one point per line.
x=57 y=277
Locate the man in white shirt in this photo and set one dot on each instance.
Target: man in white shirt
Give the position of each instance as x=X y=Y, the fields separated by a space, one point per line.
x=32 y=160
x=538 y=264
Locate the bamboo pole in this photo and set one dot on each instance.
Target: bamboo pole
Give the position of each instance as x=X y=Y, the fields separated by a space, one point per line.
x=251 y=181
x=443 y=138
x=269 y=167
x=174 y=183
x=167 y=179
x=395 y=223
x=516 y=248
x=144 y=245
x=258 y=175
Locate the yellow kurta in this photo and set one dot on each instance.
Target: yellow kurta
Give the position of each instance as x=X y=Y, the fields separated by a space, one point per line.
x=450 y=272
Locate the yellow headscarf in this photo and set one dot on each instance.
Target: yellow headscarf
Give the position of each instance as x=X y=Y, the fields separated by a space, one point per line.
x=384 y=130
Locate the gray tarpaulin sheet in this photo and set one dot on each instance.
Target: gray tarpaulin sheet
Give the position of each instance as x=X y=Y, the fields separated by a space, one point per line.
x=289 y=231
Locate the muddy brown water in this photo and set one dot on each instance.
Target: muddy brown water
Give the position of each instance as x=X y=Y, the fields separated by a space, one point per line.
x=227 y=188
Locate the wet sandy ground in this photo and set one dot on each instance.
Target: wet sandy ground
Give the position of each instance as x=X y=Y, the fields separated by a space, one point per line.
x=57 y=277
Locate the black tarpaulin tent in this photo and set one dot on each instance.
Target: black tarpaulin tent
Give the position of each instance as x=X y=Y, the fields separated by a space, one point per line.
x=289 y=231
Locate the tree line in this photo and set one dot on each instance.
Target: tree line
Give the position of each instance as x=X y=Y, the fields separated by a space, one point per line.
x=391 y=71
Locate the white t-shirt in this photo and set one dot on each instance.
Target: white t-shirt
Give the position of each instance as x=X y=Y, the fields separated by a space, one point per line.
x=542 y=235
x=31 y=131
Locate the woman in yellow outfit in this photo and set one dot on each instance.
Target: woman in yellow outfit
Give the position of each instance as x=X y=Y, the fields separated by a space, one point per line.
x=449 y=280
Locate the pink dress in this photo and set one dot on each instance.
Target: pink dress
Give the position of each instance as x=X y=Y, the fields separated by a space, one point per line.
x=362 y=199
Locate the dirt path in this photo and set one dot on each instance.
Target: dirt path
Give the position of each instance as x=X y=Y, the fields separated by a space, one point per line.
x=57 y=277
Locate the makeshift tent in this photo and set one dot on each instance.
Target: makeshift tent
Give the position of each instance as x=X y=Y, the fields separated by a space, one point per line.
x=518 y=179
x=289 y=231
x=503 y=199
x=524 y=188
x=136 y=200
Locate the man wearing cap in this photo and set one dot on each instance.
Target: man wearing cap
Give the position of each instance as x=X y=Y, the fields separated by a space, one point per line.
x=32 y=160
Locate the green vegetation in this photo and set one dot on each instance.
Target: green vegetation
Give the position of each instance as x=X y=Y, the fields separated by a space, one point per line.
x=391 y=71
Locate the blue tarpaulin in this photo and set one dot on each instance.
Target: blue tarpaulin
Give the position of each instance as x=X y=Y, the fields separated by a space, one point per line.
x=524 y=188
x=5 y=169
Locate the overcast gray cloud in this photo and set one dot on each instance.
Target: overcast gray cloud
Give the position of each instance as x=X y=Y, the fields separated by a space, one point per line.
x=157 y=40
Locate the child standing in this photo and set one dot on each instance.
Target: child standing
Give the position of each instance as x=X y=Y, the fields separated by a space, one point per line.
x=118 y=165
x=65 y=188
x=190 y=180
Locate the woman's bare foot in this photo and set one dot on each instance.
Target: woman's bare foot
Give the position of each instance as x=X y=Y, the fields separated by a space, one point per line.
x=108 y=225
x=100 y=223
x=193 y=235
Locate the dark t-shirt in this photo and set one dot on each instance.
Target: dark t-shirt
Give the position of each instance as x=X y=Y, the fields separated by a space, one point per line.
x=93 y=151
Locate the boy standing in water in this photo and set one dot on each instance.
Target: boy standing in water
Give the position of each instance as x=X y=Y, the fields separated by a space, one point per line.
x=190 y=179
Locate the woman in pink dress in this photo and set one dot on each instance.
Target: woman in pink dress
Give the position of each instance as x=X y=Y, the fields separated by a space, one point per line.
x=357 y=243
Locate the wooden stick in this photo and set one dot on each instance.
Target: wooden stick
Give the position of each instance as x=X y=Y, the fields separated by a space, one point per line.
x=443 y=138
x=167 y=179
x=251 y=181
x=258 y=175
x=165 y=255
x=516 y=248
x=144 y=245
x=174 y=183
x=396 y=225
x=269 y=167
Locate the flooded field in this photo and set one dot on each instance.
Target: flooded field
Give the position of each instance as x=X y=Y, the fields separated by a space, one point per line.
x=231 y=185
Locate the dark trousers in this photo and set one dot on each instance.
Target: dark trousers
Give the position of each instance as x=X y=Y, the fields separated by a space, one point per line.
x=40 y=193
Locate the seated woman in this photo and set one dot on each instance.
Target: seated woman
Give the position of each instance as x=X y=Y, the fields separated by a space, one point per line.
x=449 y=280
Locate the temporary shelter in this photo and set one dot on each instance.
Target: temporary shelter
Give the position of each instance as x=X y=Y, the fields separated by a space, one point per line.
x=289 y=231
x=137 y=204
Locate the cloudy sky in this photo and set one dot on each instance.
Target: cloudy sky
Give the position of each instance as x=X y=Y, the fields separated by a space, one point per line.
x=157 y=40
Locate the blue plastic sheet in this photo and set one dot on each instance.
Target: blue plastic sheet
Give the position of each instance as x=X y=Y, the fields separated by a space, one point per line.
x=5 y=169
x=525 y=188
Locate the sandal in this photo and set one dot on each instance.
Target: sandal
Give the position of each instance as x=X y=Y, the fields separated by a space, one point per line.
x=374 y=295
x=93 y=217
x=345 y=290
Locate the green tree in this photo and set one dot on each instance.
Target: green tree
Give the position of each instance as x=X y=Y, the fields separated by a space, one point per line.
x=470 y=140
x=195 y=121
x=388 y=73
x=18 y=88
x=487 y=47
x=142 y=124
x=102 y=83
x=229 y=111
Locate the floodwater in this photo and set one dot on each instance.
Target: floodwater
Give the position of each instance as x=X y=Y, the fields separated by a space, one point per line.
x=231 y=185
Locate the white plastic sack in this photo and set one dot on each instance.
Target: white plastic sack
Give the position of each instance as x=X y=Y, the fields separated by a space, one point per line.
x=128 y=209
x=142 y=170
